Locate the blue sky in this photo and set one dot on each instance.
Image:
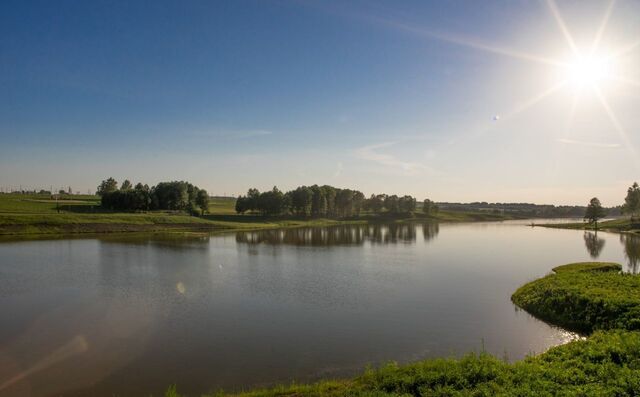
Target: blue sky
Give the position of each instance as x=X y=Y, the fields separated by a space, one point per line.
x=395 y=97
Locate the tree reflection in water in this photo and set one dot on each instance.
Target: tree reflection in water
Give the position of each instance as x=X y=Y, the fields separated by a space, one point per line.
x=593 y=243
x=339 y=235
x=430 y=230
x=631 y=246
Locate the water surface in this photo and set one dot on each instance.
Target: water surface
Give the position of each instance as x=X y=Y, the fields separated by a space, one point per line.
x=129 y=316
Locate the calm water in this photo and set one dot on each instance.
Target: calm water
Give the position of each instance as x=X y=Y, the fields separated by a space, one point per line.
x=130 y=316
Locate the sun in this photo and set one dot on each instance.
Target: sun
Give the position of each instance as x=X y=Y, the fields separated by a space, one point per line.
x=588 y=71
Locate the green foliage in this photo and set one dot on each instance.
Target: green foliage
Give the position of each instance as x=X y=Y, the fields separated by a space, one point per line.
x=632 y=200
x=107 y=186
x=321 y=201
x=588 y=267
x=594 y=211
x=429 y=207
x=584 y=297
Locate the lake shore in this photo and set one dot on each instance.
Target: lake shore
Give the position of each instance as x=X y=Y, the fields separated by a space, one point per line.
x=23 y=216
x=621 y=225
x=595 y=298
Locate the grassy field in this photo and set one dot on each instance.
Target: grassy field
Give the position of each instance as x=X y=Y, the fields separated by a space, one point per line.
x=607 y=363
x=34 y=214
x=614 y=225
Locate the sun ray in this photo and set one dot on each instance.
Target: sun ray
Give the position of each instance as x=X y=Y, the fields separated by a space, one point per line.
x=537 y=98
x=601 y=29
x=467 y=42
x=563 y=27
x=617 y=125
x=624 y=50
x=572 y=113
x=625 y=80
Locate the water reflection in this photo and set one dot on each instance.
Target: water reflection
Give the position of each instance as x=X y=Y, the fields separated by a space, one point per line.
x=339 y=235
x=594 y=244
x=430 y=231
x=177 y=242
x=631 y=244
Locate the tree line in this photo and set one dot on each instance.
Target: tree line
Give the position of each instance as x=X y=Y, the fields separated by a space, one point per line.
x=326 y=201
x=174 y=196
x=630 y=207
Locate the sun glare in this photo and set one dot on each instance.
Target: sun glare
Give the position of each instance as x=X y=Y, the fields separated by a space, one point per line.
x=585 y=72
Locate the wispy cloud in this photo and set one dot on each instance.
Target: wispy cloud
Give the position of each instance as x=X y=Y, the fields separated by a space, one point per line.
x=371 y=153
x=590 y=144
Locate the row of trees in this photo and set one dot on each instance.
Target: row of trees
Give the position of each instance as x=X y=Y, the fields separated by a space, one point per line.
x=325 y=201
x=175 y=196
x=631 y=206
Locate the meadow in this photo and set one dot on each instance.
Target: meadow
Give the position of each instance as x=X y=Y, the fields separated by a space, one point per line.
x=40 y=214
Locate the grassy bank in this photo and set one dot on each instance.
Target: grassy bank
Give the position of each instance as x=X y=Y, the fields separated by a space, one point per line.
x=615 y=225
x=583 y=296
x=32 y=215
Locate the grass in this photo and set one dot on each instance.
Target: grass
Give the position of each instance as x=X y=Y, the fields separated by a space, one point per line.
x=588 y=267
x=585 y=296
x=614 y=225
x=36 y=215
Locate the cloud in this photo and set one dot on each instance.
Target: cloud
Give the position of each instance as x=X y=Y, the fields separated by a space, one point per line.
x=371 y=153
x=590 y=144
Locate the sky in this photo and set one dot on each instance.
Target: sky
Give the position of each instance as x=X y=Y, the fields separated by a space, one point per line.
x=501 y=101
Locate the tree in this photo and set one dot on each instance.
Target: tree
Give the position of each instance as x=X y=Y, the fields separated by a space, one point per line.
x=271 y=202
x=253 y=196
x=107 y=186
x=318 y=201
x=594 y=212
x=632 y=201
x=406 y=204
x=202 y=200
x=242 y=204
x=126 y=185
x=429 y=207
x=376 y=203
x=391 y=204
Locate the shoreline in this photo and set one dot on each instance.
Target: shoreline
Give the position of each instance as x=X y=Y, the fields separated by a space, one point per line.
x=603 y=363
x=64 y=225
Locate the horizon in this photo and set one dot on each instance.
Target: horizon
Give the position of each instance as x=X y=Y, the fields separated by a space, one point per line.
x=457 y=102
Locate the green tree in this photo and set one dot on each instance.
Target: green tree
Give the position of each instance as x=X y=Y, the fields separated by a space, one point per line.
x=318 y=201
x=202 y=200
x=253 y=196
x=107 y=186
x=594 y=212
x=429 y=207
x=375 y=203
x=126 y=185
x=391 y=204
x=632 y=201
x=242 y=204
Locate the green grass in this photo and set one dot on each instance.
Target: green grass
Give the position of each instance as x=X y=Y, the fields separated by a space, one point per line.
x=615 y=225
x=589 y=267
x=584 y=297
x=34 y=215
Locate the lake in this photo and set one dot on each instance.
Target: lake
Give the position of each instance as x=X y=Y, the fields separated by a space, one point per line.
x=132 y=315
